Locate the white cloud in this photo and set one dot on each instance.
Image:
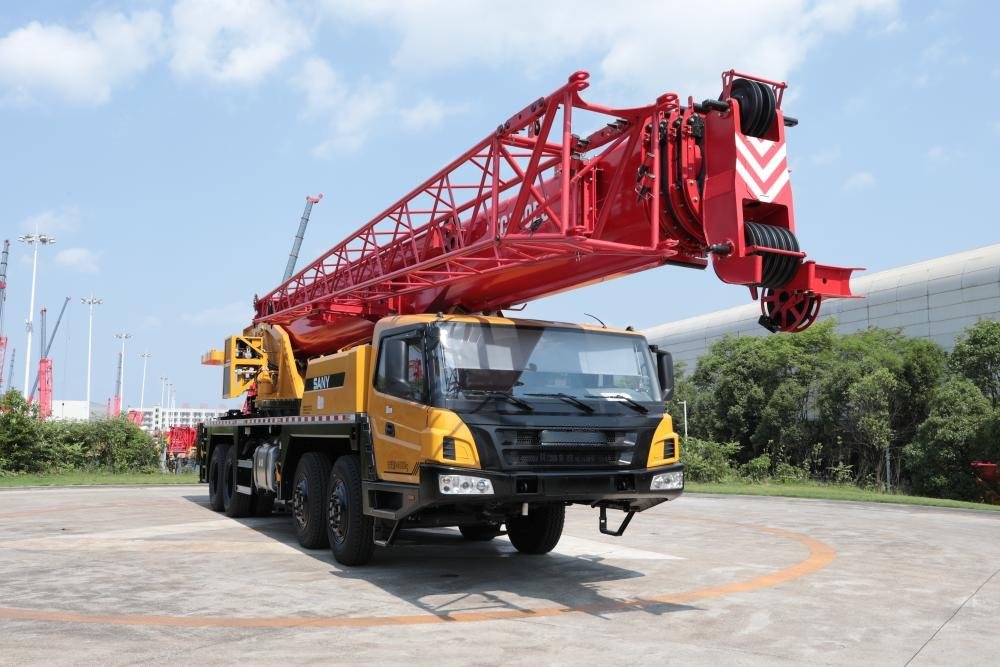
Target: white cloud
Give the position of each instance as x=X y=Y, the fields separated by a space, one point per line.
x=78 y=259
x=234 y=41
x=52 y=222
x=938 y=155
x=636 y=53
x=350 y=111
x=828 y=156
x=39 y=61
x=429 y=112
x=861 y=180
x=236 y=314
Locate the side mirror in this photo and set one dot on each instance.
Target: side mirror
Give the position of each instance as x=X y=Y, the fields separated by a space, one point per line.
x=664 y=371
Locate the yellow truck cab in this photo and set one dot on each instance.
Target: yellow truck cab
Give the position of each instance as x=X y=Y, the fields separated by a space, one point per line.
x=479 y=422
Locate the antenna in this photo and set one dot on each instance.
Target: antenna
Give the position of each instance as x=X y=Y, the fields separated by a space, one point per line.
x=598 y=319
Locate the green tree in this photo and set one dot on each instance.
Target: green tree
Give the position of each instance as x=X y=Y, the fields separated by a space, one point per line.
x=868 y=423
x=977 y=357
x=19 y=433
x=938 y=460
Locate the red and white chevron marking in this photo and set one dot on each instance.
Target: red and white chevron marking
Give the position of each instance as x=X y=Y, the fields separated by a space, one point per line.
x=762 y=165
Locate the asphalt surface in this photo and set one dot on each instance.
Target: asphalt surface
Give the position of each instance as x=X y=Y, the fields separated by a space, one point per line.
x=150 y=575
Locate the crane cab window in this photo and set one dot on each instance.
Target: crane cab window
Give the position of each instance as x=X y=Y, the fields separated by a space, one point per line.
x=401 y=371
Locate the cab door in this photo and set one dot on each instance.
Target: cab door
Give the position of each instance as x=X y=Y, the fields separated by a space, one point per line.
x=398 y=408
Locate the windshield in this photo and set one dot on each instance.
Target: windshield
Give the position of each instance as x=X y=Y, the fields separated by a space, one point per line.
x=531 y=360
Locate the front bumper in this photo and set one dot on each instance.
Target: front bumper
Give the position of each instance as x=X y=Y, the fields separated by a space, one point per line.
x=612 y=488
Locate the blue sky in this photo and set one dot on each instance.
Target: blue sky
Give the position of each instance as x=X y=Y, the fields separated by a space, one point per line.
x=169 y=145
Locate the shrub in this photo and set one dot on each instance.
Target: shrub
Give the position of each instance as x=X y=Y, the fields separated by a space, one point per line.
x=758 y=468
x=27 y=445
x=938 y=460
x=707 y=461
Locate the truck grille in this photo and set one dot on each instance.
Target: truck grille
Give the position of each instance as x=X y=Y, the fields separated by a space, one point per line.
x=557 y=448
x=520 y=458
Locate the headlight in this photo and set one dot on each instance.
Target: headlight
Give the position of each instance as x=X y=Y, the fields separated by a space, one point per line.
x=667 y=481
x=464 y=485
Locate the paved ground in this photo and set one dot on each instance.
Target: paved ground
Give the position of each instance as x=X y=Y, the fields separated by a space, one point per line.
x=151 y=575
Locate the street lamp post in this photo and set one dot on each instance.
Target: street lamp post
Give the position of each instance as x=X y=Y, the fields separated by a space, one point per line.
x=142 y=392
x=163 y=391
x=90 y=302
x=34 y=240
x=122 y=336
x=685 y=405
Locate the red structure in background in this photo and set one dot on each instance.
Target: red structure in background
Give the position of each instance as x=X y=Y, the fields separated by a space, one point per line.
x=535 y=209
x=44 y=388
x=988 y=476
x=181 y=440
x=135 y=416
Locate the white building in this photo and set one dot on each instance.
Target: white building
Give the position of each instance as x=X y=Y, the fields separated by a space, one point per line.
x=936 y=300
x=66 y=410
x=157 y=418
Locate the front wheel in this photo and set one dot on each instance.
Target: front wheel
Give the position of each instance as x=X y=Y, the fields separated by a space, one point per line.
x=350 y=532
x=539 y=532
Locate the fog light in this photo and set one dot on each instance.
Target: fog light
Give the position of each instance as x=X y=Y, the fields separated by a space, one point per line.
x=667 y=481
x=464 y=485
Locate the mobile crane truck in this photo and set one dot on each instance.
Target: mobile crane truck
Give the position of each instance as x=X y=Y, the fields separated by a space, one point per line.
x=385 y=389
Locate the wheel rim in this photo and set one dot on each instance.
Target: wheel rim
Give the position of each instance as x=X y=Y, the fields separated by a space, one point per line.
x=299 y=500
x=337 y=511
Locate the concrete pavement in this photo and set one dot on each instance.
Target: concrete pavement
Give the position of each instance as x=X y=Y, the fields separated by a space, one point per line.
x=150 y=575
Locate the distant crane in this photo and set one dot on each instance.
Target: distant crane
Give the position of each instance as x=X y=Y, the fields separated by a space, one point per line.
x=293 y=256
x=44 y=376
x=3 y=298
x=116 y=406
x=13 y=352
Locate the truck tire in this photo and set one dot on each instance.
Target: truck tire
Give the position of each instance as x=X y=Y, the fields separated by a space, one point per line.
x=539 y=532
x=350 y=532
x=309 y=499
x=214 y=475
x=479 y=532
x=263 y=504
x=236 y=504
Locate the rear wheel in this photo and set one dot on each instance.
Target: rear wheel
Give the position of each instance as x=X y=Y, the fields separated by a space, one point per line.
x=539 y=532
x=479 y=532
x=215 y=480
x=350 y=531
x=309 y=499
x=237 y=504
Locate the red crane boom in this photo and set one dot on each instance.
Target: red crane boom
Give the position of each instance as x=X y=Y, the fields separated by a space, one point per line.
x=535 y=209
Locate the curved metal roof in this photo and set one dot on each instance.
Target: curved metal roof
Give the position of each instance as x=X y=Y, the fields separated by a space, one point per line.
x=958 y=288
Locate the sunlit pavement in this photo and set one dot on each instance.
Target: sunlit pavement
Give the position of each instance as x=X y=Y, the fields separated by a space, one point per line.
x=151 y=575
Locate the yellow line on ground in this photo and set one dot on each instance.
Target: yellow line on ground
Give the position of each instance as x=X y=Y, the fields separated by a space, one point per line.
x=820 y=555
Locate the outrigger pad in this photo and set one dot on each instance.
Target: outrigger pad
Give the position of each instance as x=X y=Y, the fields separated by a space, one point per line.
x=621 y=529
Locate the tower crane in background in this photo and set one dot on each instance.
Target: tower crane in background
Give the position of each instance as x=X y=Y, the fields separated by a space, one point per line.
x=387 y=390
x=3 y=299
x=43 y=380
x=293 y=256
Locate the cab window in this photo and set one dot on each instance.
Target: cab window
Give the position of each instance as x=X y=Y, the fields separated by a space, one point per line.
x=401 y=371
